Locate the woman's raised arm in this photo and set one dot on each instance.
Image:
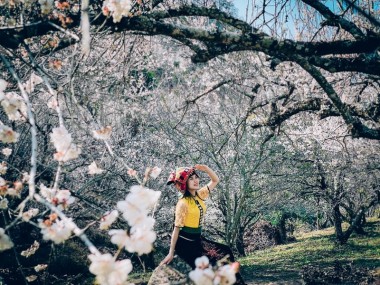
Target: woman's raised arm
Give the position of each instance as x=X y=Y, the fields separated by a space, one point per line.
x=214 y=178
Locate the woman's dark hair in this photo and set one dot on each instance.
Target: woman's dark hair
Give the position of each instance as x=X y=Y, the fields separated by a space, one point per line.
x=187 y=193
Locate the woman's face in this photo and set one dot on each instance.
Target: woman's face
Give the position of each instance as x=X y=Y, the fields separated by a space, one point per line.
x=193 y=182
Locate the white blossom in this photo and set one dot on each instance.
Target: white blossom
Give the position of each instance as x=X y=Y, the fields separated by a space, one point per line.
x=5 y=241
x=13 y=192
x=117 y=8
x=63 y=198
x=7 y=135
x=141 y=240
x=3 y=168
x=202 y=262
x=143 y=197
x=34 y=78
x=31 y=278
x=2 y=181
x=47 y=193
x=131 y=213
x=40 y=267
x=137 y=203
x=46 y=6
x=6 y=151
x=52 y=103
x=58 y=232
x=14 y=106
x=31 y=250
x=225 y=275
x=62 y=141
x=3 y=204
x=94 y=169
x=155 y=172
x=3 y=86
x=119 y=237
x=108 y=271
x=108 y=219
x=26 y=216
x=25 y=177
x=202 y=277
x=60 y=198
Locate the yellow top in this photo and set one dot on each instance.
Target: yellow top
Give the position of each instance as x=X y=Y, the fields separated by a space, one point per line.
x=190 y=211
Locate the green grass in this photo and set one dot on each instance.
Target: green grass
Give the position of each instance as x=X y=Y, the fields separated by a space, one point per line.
x=284 y=262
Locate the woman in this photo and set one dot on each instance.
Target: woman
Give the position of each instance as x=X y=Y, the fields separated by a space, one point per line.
x=187 y=241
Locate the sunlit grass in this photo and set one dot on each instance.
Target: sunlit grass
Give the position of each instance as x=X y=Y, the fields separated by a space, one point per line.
x=314 y=248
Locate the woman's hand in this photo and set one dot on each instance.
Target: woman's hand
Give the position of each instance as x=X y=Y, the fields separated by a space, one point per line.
x=201 y=167
x=167 y=259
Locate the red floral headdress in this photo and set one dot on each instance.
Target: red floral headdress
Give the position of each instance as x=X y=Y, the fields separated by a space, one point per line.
x=180 y=176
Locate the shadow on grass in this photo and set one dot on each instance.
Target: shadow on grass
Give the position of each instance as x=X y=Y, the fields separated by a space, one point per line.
x=260 y=273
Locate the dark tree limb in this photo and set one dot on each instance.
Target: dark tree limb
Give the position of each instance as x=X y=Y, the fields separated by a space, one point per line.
x=335 y=20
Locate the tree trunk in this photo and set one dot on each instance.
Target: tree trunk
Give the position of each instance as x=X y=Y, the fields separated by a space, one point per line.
x=282 y=227
x=359 y=228
x=240 y=242
x=337 y=218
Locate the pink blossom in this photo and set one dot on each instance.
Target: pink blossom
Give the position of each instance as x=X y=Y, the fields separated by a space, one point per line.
x=103 y=134
x=131 y=172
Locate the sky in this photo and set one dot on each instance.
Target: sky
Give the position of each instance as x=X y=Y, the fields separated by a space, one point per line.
x=241 y=6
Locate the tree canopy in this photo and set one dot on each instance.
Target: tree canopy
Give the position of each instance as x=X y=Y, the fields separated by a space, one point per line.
x=345 y=39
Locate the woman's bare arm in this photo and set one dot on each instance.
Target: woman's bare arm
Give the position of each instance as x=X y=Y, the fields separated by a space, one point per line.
x=173 y=243
x=214 y=178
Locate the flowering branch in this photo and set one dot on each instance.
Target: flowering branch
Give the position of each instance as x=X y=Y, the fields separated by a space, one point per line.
x=76 y=230
x=33 y=129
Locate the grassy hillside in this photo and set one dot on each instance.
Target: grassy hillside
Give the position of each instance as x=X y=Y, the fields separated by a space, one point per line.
x=317 y=248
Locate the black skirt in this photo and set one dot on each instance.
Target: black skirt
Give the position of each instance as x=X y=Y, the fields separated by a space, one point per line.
x=191 y=246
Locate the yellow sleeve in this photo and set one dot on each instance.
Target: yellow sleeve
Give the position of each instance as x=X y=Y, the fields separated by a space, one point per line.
x=180 y=213
x=203 y=193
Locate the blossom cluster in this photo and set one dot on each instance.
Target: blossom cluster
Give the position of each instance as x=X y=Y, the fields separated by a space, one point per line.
x=55 y=229
x=117 y=9
x=15 y=109
x=204 y=274
x=7 y=188
x=60 y=198
x=109 y=271
x=135 y=209
x=66 y=149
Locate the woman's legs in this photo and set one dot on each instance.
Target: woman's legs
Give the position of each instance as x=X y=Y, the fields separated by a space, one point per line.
x=188 y=250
